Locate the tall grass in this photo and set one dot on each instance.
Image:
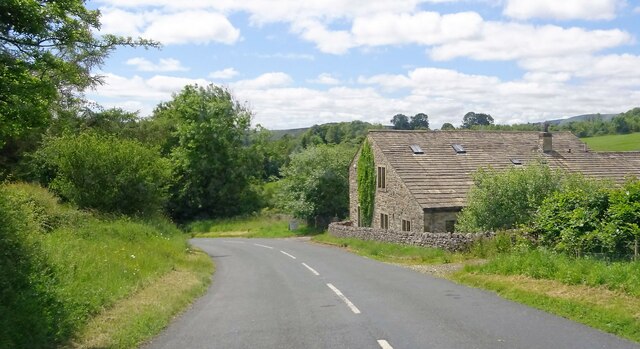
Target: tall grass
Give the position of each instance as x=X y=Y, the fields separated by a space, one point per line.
x=60 y=266
x=540 y=264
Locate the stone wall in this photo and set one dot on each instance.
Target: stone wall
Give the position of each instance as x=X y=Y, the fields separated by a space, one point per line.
x=447 y=241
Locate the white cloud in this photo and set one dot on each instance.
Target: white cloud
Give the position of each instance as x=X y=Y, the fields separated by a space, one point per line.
x=325 y=79
x=291 y=56
x=425 y=28
x=636 y=10
x=163 y=65
x=198 y=27
x=509 y=41
x=328 y=41
x=562 y=9
x=267 y=80
x=224 y=74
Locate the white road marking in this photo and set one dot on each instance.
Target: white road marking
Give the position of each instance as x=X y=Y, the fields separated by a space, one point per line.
x=384 y=344
x=312 y=270
x=287 y=254
x=345 y=299
x=265 y=246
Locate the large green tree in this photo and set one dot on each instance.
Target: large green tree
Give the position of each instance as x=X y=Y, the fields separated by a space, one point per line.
x=471 y=119
x=212 y=163
x=316 y=183
x=48 y=50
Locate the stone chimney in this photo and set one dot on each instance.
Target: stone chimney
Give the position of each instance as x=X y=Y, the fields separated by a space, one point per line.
x=545 y=142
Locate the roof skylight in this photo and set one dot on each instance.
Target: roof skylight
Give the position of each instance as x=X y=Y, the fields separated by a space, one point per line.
x=416 y=149
x=459 y=148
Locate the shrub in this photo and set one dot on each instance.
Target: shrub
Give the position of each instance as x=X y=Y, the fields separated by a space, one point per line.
x=623 y=226
x=507 y=199
x=570 y=220
x=105 y=173
x=366 y=184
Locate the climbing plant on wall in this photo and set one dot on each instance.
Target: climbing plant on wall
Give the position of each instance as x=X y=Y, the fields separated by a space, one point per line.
x=366 y=184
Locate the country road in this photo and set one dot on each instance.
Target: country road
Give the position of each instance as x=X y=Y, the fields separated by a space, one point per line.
x=290 y=293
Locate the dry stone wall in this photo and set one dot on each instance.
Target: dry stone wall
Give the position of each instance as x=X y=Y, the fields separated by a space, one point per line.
x=448 y=241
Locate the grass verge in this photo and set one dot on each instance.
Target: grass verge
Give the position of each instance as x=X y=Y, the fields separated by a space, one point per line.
x=392 y=253
x=139 y=317
x=625 y=142
x=63 y=268
x=255 y=226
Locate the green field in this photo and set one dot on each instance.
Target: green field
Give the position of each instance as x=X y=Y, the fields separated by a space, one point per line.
x=614 y=142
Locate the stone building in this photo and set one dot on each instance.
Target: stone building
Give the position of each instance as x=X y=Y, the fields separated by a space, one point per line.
x=423 y=177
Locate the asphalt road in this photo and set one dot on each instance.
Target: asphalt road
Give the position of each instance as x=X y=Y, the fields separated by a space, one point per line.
x=296 y=294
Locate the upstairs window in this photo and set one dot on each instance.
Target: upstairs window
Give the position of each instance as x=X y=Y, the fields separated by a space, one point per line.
x=406 y=225
x=450 y=226
x=382 y=177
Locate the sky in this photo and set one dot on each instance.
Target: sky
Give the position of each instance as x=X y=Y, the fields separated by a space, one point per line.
x=296 y=63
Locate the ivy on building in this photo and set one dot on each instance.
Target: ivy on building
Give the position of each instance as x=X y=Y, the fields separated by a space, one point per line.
x=366 y=184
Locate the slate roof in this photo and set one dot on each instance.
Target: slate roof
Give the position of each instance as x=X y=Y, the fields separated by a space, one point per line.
x=441 y=177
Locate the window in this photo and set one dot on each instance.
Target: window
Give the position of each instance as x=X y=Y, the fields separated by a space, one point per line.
x=450 y=226
x=516 y=161
x=384 y=221
x=416 y=149
x=382 y=177
x=458 y=148
x=406 y=225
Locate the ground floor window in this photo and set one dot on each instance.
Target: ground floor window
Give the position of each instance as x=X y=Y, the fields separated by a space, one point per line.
x=406 y=225
x=384 y=221
x=450 y=226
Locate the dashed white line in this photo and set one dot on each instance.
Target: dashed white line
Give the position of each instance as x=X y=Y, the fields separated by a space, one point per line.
x=311 y=269
x=265 y=246
x=353 y=308
x=286 y=254
x=384 y=344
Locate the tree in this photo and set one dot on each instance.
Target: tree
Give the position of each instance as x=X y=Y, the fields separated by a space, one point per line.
x=47 y=52
x=212 y=165
x=366 y=184
x=447 y=126
x=471 y=119
x=507 y=199
x=400 y=122
x=105 y=173
x=315 y=186
x=419 y=121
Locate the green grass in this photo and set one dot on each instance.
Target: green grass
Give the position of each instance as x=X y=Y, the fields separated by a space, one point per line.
x=616 y=276
x=626 y=142
x=62 y=268
x=392 y=253
x=255 y=226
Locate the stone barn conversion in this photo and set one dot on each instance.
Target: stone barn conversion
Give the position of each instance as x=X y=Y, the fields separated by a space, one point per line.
x=423 y=176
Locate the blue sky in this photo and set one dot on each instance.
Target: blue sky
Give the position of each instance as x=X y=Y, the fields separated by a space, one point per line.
x=299 y=63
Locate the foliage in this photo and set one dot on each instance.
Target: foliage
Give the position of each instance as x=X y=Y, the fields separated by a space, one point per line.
x=447 y=127
x=56 y=277
x=400 y=122
x=366 y=184
x=419 y=121
x=352 y=133
x=471 y=119
x=570 y=220
x=263 y=225
x=47 y=52
x=105 y=173
x=507 y=199
x=212 y=167
x=623 y=215
x=316 y=183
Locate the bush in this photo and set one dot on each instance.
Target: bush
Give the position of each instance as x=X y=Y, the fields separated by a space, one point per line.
x=506 y=199
x=570 y=220
x=105 y=173
x=623 y=226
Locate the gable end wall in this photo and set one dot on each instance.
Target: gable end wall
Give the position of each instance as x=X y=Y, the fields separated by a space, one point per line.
x=395 y=201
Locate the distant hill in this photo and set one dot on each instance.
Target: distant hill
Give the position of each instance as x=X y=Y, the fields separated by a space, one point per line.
x=605 y=117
